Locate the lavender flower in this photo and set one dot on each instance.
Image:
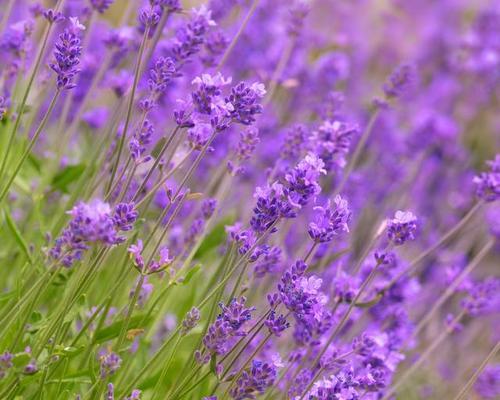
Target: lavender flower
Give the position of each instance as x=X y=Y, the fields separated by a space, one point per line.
x=5 y=363
x=330 y=221
x=255 y=381
x=191 y=320
x=400 y=81
x=53 y=16
x=90 y=223
x=276 y=325
x=67 y=55
x=243 y=104
x=488 y=383
x=161 y=74
x=101 y=5
x=109 y=363
x=488 y=183
x=402 y=227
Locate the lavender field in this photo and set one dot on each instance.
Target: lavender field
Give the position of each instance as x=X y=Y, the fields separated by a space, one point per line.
x=249 y=199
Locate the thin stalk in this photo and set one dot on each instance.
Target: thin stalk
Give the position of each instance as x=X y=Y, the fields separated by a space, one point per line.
x=392 y=390
x=162 y=181
x=478 y=372
x=137 y=377
x=163 y=374
x=20 y=113
x=242 y=27
x=129 y=108
x=6 y=15
x=156 y=163
x=130 y=311
x=278 y=72
x=451 y=232
x=310 y=252
x=450 y=289
x=358 y=150
x=30 y=146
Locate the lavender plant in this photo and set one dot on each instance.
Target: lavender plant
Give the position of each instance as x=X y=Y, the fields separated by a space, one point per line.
x=249 y=199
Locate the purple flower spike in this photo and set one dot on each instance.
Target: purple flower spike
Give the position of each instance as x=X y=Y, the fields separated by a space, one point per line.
x=109 y=364
x=330 y=221
x=402 y=227
x=101 y=5
x=276 y=325
x=488 y=183
x=67 y=55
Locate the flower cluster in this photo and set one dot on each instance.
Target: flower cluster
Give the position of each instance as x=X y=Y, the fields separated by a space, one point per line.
x=93 y=222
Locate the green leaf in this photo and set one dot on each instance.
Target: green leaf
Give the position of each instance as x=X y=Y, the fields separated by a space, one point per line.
x=68 y=175
x=17 y=236
x=213 y=239
x=158 y=146
x=21 y=359
x=112 y=331
x=35 y=162
x=6 y=296
x=190 y=274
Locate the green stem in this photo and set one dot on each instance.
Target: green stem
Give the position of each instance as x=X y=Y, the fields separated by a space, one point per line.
x=30 y=146
x=129 y=108
x=20 y=113
x=130 y=311
x=163 y=374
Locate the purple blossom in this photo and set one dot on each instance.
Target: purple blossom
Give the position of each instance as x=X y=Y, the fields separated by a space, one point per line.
x=109 y=363
x=5 y=363
x=276 y=324
x=400 y=81
x=243 y=104
x=191 y=320
x=90 y=223
x=53 y=16
x=124 y=216
x=254 y=381
x=402 y=227
x=332 y=141
x=303 y=180
x=488 y=383
x=67 y=56
x=161 y=74
x=330 y=221
x=488 y=183
x=235 y=313
x=101 y=5
x=191 y=36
